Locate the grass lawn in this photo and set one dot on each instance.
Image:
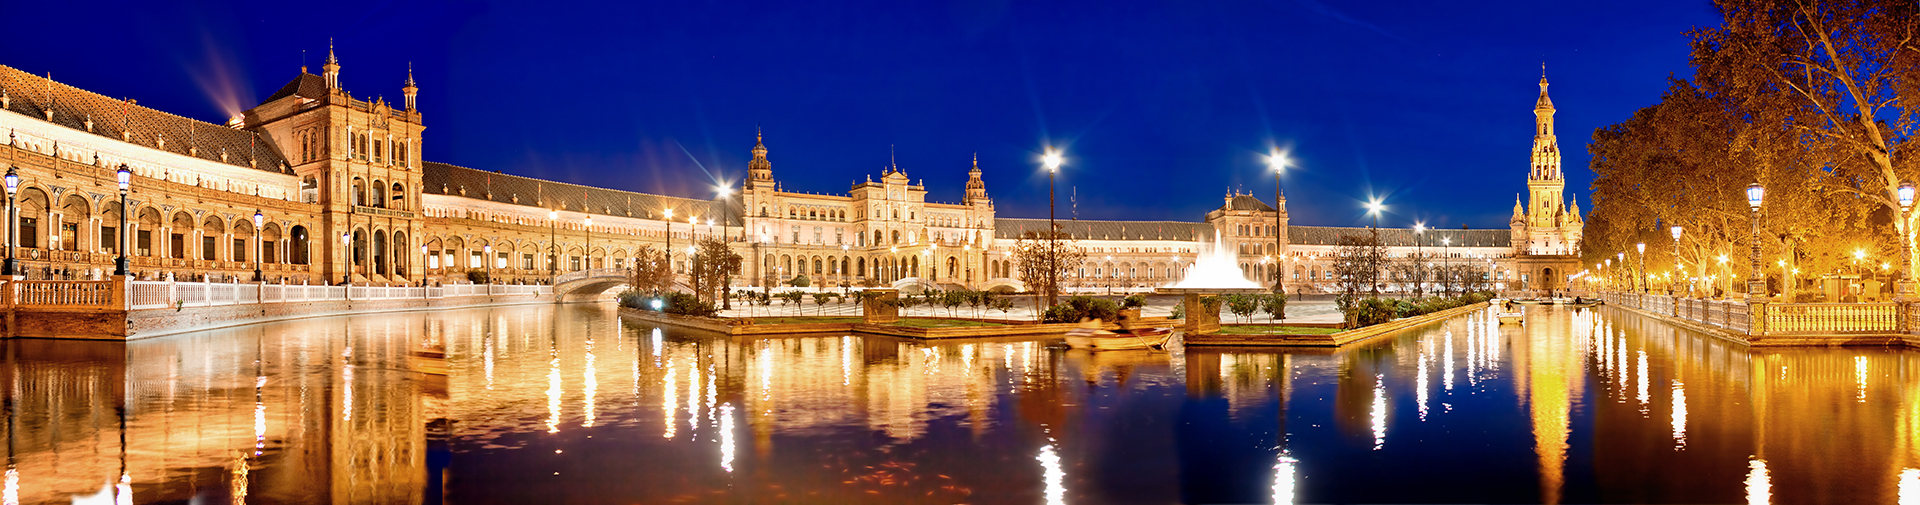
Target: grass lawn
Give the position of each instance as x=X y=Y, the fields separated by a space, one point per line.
x=805 y=320
x=1266 y=329
x=942 y=323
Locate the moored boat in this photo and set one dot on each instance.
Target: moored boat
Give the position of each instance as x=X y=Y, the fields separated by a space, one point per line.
x=1513 y=318
x=1103 y=340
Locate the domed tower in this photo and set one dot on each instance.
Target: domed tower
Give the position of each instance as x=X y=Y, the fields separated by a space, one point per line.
x=759 y=171
x=976 y=188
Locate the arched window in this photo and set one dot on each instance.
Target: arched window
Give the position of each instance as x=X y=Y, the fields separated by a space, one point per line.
x=297 y=246
x=398 y=196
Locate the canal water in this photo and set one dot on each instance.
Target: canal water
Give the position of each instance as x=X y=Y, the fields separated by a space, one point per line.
x=569 y=404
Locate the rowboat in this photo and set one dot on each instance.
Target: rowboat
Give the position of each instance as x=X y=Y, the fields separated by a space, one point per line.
x=1103 y=340
x=1513 y=318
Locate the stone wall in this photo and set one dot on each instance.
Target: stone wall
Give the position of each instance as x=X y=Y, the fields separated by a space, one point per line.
x=151 y=323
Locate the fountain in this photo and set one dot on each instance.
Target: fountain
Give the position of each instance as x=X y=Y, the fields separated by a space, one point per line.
x=1214 y=272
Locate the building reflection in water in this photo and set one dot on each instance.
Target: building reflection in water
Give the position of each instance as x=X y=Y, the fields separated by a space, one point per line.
x=1593 y=406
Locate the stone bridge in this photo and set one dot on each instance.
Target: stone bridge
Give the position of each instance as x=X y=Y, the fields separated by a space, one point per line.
x=590 y=284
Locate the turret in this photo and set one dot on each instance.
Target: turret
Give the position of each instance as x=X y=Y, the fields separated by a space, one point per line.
x=976 y=188
x=759 y=169
x=409 y=90
x=331 y=70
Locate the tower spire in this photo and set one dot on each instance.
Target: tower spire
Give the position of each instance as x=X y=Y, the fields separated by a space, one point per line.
x=410 y=90
x=331 y=70
x=759 y=169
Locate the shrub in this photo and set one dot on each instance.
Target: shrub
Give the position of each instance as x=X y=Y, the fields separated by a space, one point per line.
x=1133 y=301
x=670 y=302
x=477 y=276
x=1077 y=308
x=1242 y=306
x=1275 y=305
x=799 y=281
x=1372 y=311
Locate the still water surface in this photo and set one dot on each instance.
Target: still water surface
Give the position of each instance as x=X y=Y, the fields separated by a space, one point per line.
x=569 y=404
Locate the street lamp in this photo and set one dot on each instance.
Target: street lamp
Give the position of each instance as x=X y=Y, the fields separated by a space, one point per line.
x=1676 y=255
x=1052 y=160
x=725 y=190
x=12 y=265
x=1756 y=285
x=1373 y=208
x=1643 y=265
x=1110 y=273
x=424 y=260
x=1419 y=274
x=125 y=178
x=553 y=244
x=1277 y=160
x=487 y=259
x=258 y=221
x=1904 y=284
x=669 y=250
x=1446 y=263
x=346 y=245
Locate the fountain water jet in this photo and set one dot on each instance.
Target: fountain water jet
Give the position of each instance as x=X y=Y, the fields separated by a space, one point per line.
x=1215 y=269
x=1214 y=272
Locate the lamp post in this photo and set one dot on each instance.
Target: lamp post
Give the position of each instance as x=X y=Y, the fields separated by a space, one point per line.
x=1676 y=258
x=1419 y=274
x=588 y=222
x=1110 y=275
x=1903 y=285
x=487 y=260
x=1277 y=160
x=1373 y=208
x=1643 y=266
x=1446 y=263
x=1053 y=161
x=424 y=260
x=553 y=244
x=346 y=247
x=125 y=178
x=1756 y=285
x=258 y=221
x=12 y=266
x=669 y=250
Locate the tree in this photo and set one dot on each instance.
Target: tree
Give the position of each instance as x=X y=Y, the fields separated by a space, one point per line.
x=1036 y=254
x=820 y=302
x=714 y=264
x=1356 y=260
x=793 y=298
x=1815 y=100
x=1275 y=305
x=652 y=273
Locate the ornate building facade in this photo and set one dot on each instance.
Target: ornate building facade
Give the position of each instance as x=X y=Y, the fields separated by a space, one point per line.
x=342 y=194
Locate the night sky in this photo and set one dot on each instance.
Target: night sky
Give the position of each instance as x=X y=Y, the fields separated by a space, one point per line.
x=1160 y=107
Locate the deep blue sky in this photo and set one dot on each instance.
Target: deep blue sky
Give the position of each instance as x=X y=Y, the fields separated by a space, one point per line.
x=1160 y=107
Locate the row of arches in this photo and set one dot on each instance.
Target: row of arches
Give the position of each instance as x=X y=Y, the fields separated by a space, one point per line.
x=457 y=254
x=78 y=224
x=379 y=194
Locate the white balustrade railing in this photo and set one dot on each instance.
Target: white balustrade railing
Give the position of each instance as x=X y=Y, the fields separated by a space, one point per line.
x=163 y=294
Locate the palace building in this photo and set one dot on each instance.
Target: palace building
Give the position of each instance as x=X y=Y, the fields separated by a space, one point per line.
x=316 y=186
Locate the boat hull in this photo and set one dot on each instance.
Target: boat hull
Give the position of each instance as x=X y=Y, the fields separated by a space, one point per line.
x=1109 y=341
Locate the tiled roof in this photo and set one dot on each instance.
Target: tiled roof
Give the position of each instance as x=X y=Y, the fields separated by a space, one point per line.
x=1246 y=202
x=1328 y=235
x=306 y=85
x=1108 y=230
x=444 y=179
x=33 y=95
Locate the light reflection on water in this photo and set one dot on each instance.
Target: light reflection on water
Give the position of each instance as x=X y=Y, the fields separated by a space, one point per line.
x=569 y=404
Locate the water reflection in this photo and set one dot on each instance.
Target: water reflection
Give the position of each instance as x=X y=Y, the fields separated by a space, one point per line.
x=331 y=410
